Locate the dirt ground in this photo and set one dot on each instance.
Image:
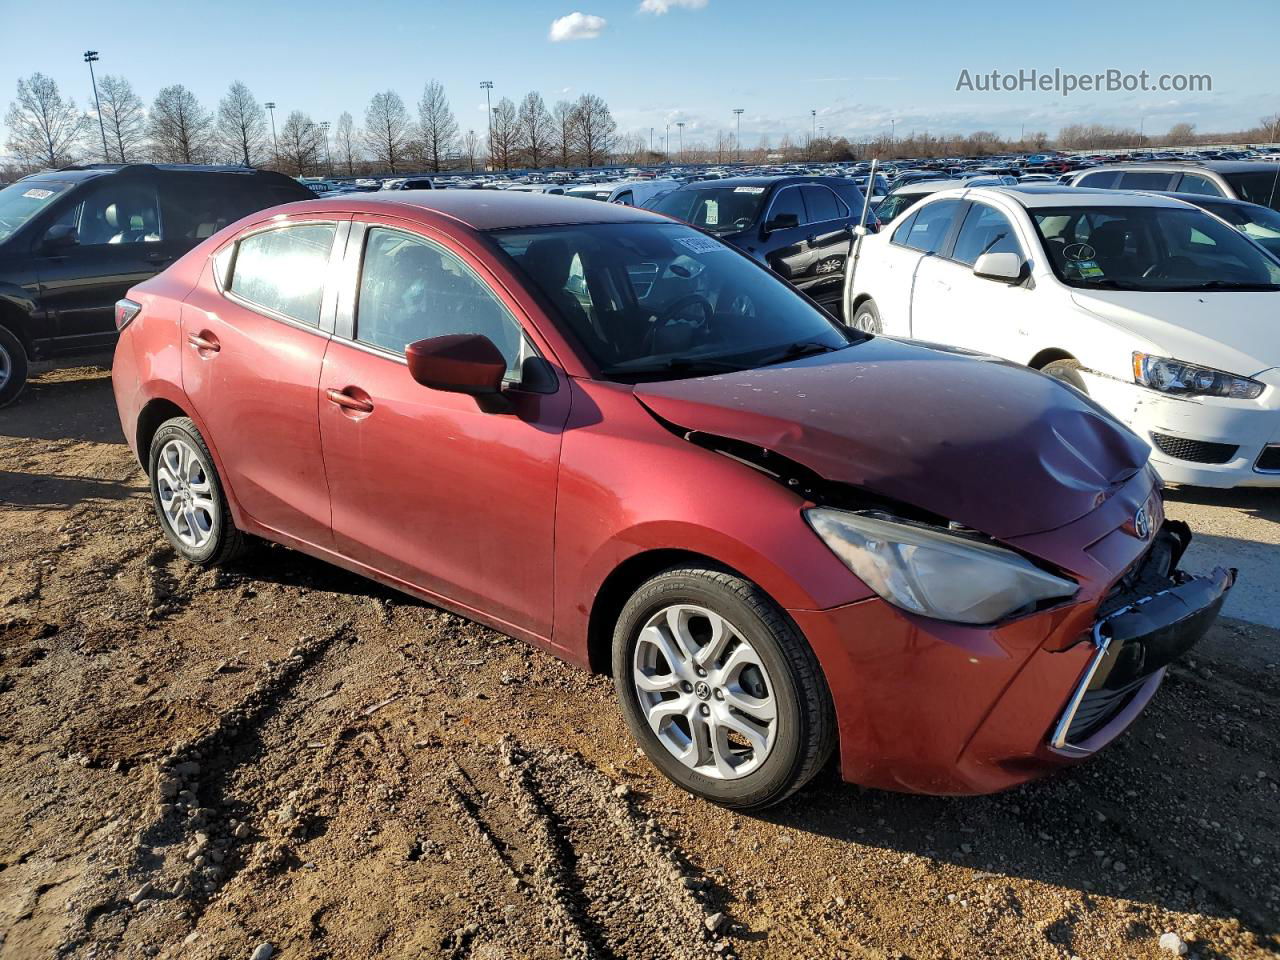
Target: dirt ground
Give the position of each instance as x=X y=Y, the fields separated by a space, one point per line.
x=196 y=764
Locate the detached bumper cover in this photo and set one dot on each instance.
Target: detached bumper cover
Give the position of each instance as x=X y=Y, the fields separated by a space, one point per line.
x=1133 y=646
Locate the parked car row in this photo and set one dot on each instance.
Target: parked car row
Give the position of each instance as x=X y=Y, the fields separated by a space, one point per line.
x=773 y=530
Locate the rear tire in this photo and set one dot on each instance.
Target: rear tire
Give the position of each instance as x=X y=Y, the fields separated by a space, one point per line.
x=866 y=318
x=1068 y=371
x=14 y=367
x=747 y=725
x=188 y=496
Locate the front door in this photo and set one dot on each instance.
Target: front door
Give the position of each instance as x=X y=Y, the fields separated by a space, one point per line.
x=251 y=358
x=118 y=241
x=427 y=487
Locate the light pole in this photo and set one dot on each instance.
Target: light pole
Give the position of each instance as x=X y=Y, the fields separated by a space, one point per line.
x=275 y=144
x=328 y=161
x=91 y=57
x=666 y=145
x=651 y=141
x=737 y=115
x=486 y=86
x=680 y=124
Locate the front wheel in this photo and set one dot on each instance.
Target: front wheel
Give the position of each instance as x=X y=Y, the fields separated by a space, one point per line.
x=13 y=367
x=1068 y=371
x=188 y=496
x=720 y=689
x=866 y=317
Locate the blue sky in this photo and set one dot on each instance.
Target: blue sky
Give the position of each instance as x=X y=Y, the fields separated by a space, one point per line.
x=859 y=65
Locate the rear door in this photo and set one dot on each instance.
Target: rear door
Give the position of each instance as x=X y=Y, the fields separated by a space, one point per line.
x=920 y=236
x=119 y=241
x=252 y=351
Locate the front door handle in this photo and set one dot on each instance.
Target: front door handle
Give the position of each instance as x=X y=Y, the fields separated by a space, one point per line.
x=348 y=402
x=159 y=257
x=204 y=344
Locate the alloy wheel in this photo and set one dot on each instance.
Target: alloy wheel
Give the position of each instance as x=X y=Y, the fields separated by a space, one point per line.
x=186 y=493
x=704 y=691
x=6 y=366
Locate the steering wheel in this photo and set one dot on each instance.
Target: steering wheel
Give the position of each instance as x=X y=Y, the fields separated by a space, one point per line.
x=742 y=223
x=674 y=309
x=1165 y=266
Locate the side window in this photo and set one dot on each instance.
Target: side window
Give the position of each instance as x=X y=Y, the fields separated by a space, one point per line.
x=985 y=230
x=1194 y=183
x=115 y=211
x=413 y=290
x=821 y=203
x=1105 y=179
x=785 y=202
x=903 y=230
x=626 y=198
x=284 y=269
x=930 y=226
x=1145 y=181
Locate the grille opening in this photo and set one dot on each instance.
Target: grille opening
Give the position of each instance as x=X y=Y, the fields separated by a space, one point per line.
x=1196 y=451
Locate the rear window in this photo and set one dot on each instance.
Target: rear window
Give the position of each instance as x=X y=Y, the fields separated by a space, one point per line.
x=1262 y=187
x=283 y=270
x=196 y=206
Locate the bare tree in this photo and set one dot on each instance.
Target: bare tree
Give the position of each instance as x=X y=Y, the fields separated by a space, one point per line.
x=564 y=121
x=345 y=143
x=124 y=118
x=1181 y=134
x=471 y=149
x=44 y=129
x=536 y=130
x=506 y=132
x=595 y=126
x=301 y=145
x=436 y=126
x=179 y=128
x=242 y=126
x=387 y=129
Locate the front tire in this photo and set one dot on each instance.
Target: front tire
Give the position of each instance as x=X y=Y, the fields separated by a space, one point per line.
x=14 y=367
x=866 y=317
x=188 y=496
x=720 y=689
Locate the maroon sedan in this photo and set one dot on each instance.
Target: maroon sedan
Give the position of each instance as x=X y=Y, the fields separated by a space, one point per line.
x=622 y=441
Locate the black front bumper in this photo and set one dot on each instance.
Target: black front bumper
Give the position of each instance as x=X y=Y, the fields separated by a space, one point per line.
x=1134 y=644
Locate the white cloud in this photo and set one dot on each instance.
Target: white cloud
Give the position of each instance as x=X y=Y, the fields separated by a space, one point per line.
x=577 y=26
x=660 y=7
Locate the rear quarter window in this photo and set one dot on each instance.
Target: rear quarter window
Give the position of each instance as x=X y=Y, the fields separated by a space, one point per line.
x=283 y=270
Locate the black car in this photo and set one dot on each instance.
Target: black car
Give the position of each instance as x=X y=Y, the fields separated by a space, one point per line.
x=73 y=241
x=801 y=227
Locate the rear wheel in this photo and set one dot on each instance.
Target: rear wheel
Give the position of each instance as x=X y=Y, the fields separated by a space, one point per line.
x=866 y=317
x=1068 y=371
x=189 y=498
x=13 y=367
x=720 y=689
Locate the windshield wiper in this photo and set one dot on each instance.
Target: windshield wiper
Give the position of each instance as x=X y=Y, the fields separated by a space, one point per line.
x=795 y=351
x=674 y=365
x=1229 y=285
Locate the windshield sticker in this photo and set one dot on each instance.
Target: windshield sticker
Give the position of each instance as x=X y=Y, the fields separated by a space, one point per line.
x=701 y=244
x=748 y=189
x=34 y=194
x=1088 y=268
x=1078 y=252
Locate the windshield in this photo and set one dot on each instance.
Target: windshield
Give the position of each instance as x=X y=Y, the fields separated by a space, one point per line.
x=662 y=301
x=1257 y=186
x=719 y=210
x=1150 y=248
x=19 y=202
x=895 y=204
x=1260 y=223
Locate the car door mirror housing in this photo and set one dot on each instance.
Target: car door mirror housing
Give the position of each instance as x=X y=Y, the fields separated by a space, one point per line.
x=59 y=237
x=1002 y=267
x=459 y=363
x=782 y=221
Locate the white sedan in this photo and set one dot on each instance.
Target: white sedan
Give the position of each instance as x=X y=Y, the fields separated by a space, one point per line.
x=1162 y=313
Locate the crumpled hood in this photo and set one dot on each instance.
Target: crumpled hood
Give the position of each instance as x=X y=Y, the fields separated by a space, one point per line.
x=1236 y=331
x=988 y=444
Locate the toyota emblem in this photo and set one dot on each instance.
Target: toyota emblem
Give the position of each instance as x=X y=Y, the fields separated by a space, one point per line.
x=1141 y=524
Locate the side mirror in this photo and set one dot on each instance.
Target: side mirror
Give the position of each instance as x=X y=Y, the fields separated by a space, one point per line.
x=460 y=363
x=59 y=237
x=1002 y=267
x=783 y=221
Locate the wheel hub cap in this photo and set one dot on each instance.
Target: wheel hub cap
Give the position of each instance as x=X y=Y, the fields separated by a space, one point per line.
x=185 y=493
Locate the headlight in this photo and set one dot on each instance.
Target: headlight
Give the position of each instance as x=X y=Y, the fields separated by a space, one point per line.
x=1186 y=379
x=934 y=573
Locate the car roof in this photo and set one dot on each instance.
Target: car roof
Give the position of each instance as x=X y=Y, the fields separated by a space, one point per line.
x=1055 y=195
x=1180 y=166
x=488 y=209
x=762 y=181
x=78 y=173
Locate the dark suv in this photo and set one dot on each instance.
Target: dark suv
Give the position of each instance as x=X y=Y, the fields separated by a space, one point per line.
x=801 y=227
x=73 y=241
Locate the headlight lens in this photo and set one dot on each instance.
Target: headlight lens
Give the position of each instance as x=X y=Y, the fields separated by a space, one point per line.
x=934 y=573
x=1186 y=379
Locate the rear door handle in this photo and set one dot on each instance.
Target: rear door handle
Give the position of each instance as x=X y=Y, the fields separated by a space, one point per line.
x=348 y=402
x=203 y=344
